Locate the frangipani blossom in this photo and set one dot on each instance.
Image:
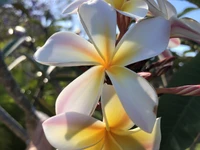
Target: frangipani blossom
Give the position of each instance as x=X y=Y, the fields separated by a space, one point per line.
x=72 y=130
x=131 y=8
x=182 y=28
x=68 y=49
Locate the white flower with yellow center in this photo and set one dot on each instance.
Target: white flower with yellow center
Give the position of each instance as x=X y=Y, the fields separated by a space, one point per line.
x=146 y=39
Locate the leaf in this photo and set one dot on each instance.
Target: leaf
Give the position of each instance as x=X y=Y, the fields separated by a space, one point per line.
x=187 y=10
x=180 y=115
x=196 y=2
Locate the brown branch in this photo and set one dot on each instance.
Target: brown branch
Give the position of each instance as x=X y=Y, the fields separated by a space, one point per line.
x=12 y=88
x=13 y=125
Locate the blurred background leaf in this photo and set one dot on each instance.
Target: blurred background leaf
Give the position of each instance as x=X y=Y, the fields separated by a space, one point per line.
x=180 y=115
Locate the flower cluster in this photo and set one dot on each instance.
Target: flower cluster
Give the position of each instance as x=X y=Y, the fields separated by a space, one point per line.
x=125 y=96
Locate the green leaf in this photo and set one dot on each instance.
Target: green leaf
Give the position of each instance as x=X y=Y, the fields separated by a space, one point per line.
x=187 y=10
x=196 y=2
x=181 y=115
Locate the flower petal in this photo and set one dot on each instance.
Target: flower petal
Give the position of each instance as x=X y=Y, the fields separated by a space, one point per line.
x=110 y=143
x=153 y=8
x=174 y=42
x=73 y=130
x=140 y=43
x=117 y=119
x=67 y=49
x=100 y=27
x=171 y=10
x=162 y=6
x=134 y=9
x=136 y=95
x=97 y=146
x=72 y=8
x=185 y=28
x=82 y=94
x=140 y=140
x=116 y=3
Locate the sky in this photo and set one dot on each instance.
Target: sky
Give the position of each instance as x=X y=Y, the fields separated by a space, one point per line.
x=181 y=5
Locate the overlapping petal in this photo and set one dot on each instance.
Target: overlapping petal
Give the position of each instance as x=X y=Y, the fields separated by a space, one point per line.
x=140 y=104
x=72 y=7
x=67 y=49
x=100 y=27
x=134 y=9
x=140 y=140
x=140 y=43
x=73 y=130
x=154 y=9
x=185 y=28
x=110 y=143
x=82 y=94
x=115 y=116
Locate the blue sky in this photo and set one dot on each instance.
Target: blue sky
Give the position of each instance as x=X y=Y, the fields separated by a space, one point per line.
x=181 y=5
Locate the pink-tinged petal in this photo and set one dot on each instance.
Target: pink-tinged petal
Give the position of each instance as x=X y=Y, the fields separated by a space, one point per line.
x=134 y=9
x=185 y=28
x=82 y=94
x=67 y=49
x=114 y=114
x=73 y=131
x=137 y=139
x=174 y=42
x=72 y=8
x=140 y=43
x=99 y=20
x=137 y=96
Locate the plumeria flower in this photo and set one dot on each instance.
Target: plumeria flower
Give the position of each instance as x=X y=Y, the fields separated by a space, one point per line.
x=72 y=130
x=131 y=8
x=68 y=49
x=182 y=28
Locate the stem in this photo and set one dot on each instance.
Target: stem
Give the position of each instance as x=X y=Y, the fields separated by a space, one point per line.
x=13 y=125
x=12 y=88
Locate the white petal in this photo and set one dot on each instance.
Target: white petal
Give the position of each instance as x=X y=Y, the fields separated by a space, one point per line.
x=67 y=49
x=72 y=8
x=146 y=39
x=185 y=28
x=134 y=9
x=137 y=96
x=82 y=94
x=117 y=119
x=154 y=9
x=73 y=131
x=171 y=10
x=99 y=21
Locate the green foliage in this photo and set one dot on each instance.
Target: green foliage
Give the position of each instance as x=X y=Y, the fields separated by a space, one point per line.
x=187 y=10
x=180 y=115
x=196 y=2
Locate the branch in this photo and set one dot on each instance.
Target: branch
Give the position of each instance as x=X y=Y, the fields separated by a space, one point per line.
x=186 y=90
x=12 y=88
x=13 y=125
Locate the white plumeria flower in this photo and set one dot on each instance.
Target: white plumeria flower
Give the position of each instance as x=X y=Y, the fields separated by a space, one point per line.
x=68 y=49
x=72 y=130
x=131 y=8
x=183 y=28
